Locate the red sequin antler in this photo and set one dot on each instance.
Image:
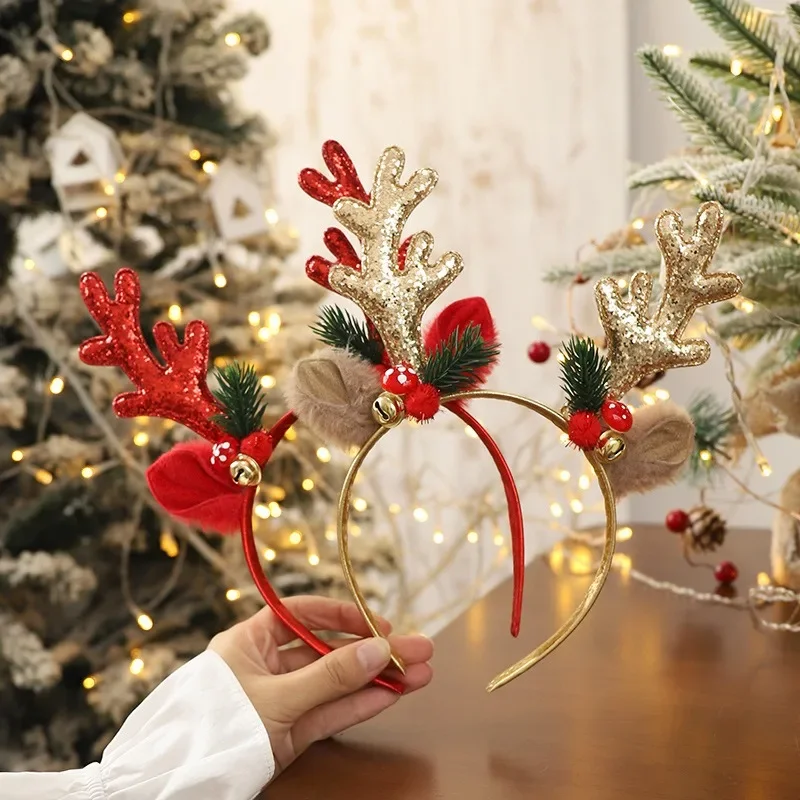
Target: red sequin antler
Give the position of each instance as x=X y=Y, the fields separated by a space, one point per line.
x=345 y=183
x=176 y=390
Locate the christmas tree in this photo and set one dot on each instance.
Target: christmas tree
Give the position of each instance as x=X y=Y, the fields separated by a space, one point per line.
x=120 y=143
x=739 y=108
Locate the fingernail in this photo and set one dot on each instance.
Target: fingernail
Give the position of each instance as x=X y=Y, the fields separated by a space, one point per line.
x=374 y=654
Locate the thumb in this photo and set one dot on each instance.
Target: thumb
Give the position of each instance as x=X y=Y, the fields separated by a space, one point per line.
x=338 y=674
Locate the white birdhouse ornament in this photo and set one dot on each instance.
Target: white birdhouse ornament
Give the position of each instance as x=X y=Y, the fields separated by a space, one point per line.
x=238 y=203
x=84 y=157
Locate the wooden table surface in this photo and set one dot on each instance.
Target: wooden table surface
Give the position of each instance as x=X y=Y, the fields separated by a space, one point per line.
x=653 y=698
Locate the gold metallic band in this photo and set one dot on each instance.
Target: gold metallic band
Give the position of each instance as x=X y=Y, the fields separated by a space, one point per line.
x=593 y=591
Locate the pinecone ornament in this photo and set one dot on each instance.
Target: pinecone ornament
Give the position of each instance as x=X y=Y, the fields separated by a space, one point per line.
x=707 y=529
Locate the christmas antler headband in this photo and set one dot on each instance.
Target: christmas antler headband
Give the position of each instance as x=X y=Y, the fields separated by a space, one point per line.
x=211 y=483
x=386 y=363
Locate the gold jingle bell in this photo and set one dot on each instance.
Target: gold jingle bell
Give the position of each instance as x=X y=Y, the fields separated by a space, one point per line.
x=388 y=410
x=245 y=471
x=610 y=446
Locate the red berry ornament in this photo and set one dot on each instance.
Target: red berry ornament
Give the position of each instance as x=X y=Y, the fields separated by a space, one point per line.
x=584 y=429
x=617 y=416
x=423 y=402
x=400 y=379
x=677 y=521
x=223 y=453
x=539 y=352
x=258 y=446
x=726 y=572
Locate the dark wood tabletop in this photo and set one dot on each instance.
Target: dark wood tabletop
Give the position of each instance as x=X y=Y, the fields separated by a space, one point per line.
x=654 y=697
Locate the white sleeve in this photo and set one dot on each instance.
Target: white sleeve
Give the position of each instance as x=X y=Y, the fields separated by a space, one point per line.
x=196 y=735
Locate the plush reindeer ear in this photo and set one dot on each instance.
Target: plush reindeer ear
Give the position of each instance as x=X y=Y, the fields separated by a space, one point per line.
x=333 y=392
x=657 y=448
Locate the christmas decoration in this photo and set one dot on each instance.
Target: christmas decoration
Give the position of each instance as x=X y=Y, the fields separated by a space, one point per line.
x=178 y=391
x=677 y=521
x=707 y=529
x=237 y=200
x=393 y=283
x=639 y=345
x=539 y=352
x=400 y=380
x=726 y=572
x=617 y=416
x=107 y=159
x=584 y=429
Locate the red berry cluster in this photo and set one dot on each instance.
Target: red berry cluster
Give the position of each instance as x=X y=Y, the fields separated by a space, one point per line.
x=422 y=400
x=679 y=521
x=584 y=427
x=257 y=445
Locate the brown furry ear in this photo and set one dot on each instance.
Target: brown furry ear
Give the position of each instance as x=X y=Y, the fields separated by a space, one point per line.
x=656 y=449
x=332 y=392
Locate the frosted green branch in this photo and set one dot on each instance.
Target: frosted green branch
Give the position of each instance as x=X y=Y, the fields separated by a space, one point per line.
x=763 y=212
x=718 y=66
x=767 y=264
x=753 y=34
x=793 y=13
x=761 y=325
x=622 y=261
x=682 y=168
x=705 y=114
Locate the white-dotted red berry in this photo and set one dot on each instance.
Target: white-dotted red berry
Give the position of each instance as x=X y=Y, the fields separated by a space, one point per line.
x=400 y=379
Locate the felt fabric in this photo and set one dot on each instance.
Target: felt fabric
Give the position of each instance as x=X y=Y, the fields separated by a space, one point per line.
x=189 y=487
x=460 y=315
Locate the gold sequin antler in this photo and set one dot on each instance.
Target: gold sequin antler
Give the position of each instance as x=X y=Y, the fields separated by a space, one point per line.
x=391 y=291
x=640 y=345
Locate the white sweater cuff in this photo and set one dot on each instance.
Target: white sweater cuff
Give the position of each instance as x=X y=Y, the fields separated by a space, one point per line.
x=196 y=735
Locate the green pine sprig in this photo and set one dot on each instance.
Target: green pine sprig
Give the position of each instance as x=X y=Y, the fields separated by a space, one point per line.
x=584 y=375
x=338 y=328
x=456 y=363
x=713 y=426
x=239 y=393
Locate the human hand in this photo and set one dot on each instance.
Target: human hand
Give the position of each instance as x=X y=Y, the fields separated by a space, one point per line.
x=302 y=697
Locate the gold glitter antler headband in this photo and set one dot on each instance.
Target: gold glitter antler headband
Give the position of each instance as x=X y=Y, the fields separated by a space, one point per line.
x=389 y=362
x=394 y=299
x=638 y=345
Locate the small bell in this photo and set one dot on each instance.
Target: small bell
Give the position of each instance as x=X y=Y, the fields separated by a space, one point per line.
x=610 y=446
x=245 y=471
x=388 y=410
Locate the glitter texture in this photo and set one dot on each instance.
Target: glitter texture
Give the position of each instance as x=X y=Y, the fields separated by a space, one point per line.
x=177 y=391
x=640 y=345
x=394 y=299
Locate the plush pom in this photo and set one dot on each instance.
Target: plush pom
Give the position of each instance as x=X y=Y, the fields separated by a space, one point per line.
x=657 y=448
x=423 y=402
x=189 y=487
x=333 y=392
x=584 y=429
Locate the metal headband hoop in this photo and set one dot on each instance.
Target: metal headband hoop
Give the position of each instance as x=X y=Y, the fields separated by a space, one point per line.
x=547 y=647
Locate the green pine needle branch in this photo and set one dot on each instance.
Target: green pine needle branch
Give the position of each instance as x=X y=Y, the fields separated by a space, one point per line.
x=338 y=328
x=754 y=35
x=239 y=393
x=457 y=362
x=713 y=426
x=584 y=375
x=706 y=115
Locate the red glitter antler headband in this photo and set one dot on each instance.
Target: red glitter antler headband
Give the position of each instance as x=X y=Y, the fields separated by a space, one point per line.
x=393 y=282
x=211 y=483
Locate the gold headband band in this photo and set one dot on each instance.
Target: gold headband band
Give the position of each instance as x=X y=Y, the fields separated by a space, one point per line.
x=594 y=457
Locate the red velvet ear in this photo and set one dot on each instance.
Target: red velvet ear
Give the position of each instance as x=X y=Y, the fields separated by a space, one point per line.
x=462 y=314
x=189 y=487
